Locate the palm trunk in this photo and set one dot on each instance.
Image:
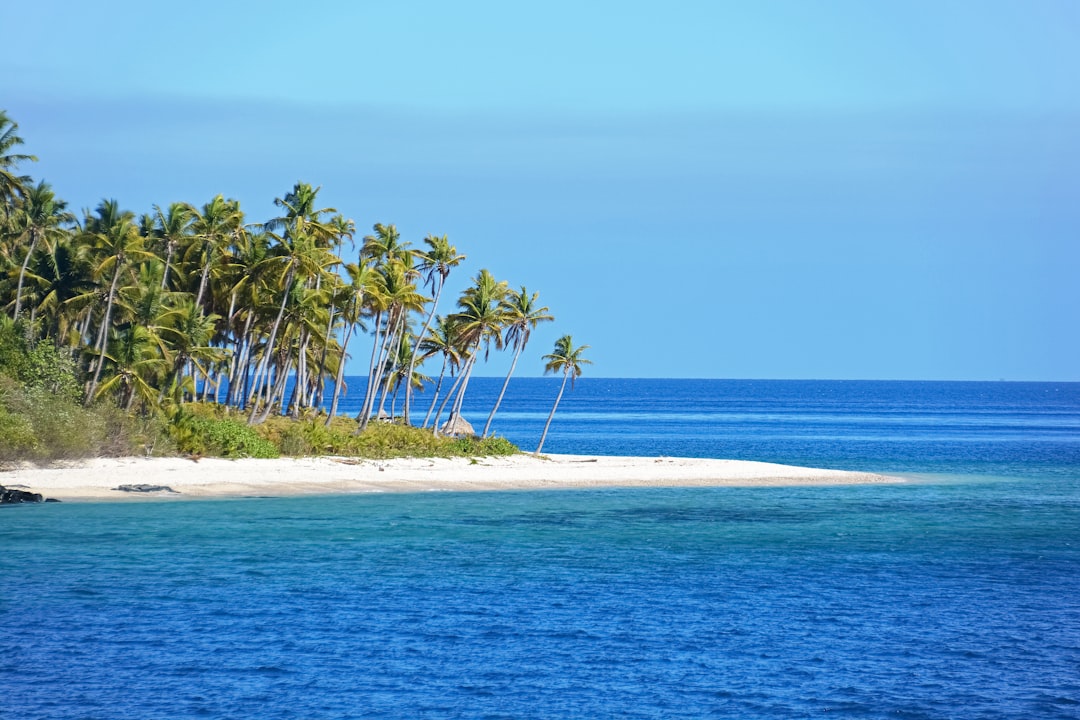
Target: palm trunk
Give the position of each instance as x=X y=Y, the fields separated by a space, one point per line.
x=369 y=388
x=320 y=390
x=22 y=273
x=412 y=360
x=466 y=376
x=273 y=333
x=449 y=396
x=339 y=377
x=566 y=374
x=498 y=401
x=170 y=248
x=103 y=335
x=435 y=396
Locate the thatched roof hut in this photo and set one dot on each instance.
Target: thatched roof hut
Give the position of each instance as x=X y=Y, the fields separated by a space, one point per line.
x=458 y=426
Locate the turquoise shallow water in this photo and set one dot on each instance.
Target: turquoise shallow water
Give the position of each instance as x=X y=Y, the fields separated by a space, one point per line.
x=954 y=596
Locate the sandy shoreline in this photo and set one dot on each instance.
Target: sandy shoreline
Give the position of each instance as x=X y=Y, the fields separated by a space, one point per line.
x=95 y=480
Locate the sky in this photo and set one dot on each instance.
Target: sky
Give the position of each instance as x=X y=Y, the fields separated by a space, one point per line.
x=812 y=190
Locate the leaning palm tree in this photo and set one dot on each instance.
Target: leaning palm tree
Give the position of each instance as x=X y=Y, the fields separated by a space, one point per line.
x=40 y=217
x=523 y=315
x=443 y=341
x=435 y=264
x=568 y=359
x=11 y=185
x=363 y=281
x=117 y=241
x=480 y=319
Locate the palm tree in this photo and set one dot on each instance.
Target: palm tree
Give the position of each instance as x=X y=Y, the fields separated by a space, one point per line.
x=568 y=359
x=172 y=229
x=215 y=228
x=435 y=265
x=40 y=216
x=301 y=254
x=523 y=315
x=118 y=242
x=480 y=319
x=444 y=341
x=397 y=298
x=134 y=368
x=11 y=185
x=61 y=281
x=362 y=281
x=187 y=333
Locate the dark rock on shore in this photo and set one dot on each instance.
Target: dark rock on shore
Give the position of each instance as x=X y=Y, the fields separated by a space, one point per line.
x=144 y=488
x=11 y=496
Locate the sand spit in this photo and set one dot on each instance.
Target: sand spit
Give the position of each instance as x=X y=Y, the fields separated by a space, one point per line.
x=216 y=478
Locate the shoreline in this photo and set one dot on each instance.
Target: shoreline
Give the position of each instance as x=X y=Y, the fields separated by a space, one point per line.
x=96 y=480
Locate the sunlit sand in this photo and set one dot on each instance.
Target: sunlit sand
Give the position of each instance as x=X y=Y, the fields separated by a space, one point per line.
x=217 y=478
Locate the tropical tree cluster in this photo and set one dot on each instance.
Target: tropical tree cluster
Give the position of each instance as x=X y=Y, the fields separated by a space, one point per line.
x=199 y=303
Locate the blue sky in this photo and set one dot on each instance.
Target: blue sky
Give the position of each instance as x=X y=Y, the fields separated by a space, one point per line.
x=831 y=189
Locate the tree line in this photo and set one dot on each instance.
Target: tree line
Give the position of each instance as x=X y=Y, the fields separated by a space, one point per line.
x=197 y=303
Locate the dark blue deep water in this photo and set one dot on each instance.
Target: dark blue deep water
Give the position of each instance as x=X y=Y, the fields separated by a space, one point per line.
x=956 y=595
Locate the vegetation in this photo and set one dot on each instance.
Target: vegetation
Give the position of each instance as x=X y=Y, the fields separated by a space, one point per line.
x=179 y=330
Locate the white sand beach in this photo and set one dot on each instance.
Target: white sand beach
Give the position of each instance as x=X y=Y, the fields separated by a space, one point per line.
x=96 y=480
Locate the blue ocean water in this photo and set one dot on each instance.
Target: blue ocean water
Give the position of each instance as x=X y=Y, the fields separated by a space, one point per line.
x=956 y=595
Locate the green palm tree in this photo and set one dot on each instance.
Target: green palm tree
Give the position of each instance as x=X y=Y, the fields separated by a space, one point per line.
x=40 y=216
x=398 y=297
x=116 y=239
x=135 y=368
x=12 y=186
x=523 y=314
x=171 y=230
x=61 y=281
x=363 y=280
x=435 y=265
x=443 y=340
x=384 y=244
x=301 y=254
x=480 y=319
x=213 y=229
x=187 y=333
x=567 y=359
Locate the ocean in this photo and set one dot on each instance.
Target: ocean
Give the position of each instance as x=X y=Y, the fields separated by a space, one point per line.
x=954 y=595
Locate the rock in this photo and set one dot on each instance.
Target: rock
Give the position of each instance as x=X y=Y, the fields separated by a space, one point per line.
x=11 y=496
x=144 y=488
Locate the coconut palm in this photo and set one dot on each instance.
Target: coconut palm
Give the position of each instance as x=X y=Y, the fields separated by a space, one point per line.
x=12 y=186
x=117 y=243
x=523 y=314
x=61 y=282
x=480 y=319
x=444 y=341
x=171 y=230
x=435 y=265
x=39 y=217
x=135 y=368
x=363 y=280
x=301 y=254
x=567 y=359
x=213 y=229
x=397 y=298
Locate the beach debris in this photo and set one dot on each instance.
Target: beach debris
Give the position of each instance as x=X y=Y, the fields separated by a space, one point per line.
x=144 y=488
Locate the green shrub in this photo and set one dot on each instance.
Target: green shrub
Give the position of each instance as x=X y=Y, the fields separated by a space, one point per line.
x=221 y=438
